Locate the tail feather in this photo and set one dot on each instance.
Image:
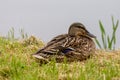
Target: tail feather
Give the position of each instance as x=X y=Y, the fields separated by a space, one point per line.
x=38 y=56
x=41 y=57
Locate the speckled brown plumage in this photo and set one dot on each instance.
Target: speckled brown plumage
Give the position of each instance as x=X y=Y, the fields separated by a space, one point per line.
x=77 y=45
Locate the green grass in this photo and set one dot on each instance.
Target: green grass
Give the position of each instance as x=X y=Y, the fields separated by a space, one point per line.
x=16 y=63
x=108 y=41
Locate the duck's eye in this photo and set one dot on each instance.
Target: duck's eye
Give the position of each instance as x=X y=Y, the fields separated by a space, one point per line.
x=78 y=26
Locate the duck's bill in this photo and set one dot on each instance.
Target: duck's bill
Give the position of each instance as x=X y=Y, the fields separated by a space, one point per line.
x=91 y=35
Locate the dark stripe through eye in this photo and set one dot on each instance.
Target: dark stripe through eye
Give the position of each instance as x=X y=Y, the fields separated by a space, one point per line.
x=81 y=26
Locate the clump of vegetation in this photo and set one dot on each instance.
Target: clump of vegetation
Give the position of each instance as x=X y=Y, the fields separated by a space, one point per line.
x=108 y=42
x=11 y=34
x=32 y=40
x=23 y=34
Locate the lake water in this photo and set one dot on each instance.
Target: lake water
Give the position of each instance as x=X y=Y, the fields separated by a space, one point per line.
x=48 y=18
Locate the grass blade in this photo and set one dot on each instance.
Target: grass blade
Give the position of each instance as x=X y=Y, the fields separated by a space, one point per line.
x=107 y=41
x=98 y=43
x=102 y=27
x=103 y=34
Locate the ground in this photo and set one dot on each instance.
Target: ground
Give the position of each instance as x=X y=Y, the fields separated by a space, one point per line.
x=16 y=63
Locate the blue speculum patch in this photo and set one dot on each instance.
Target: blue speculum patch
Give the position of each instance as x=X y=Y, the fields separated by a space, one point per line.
x=66 y=50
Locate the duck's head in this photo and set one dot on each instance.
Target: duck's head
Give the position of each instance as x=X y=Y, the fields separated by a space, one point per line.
x=78 y=29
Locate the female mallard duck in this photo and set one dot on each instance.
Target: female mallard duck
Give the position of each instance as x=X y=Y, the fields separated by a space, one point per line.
x=77 y=45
